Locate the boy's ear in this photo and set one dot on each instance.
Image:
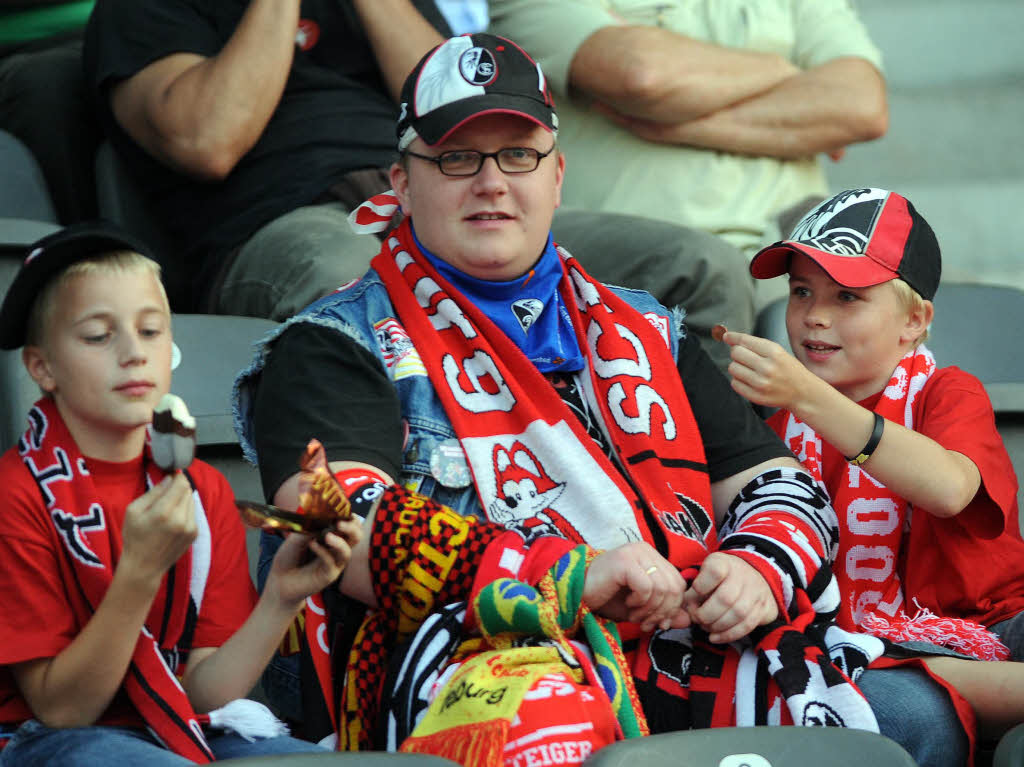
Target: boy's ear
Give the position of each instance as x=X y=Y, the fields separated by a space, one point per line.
x=35 y=361
x=918 y=321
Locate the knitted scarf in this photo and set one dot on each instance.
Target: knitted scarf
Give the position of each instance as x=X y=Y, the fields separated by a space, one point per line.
x=533 y=464
x=539 y=474
x=876 y=520
x=471 y=719
x=91 y=548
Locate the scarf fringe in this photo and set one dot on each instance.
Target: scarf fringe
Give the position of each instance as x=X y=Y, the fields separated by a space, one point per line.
x=479 y=744
x=964 y=636
x=248 y=718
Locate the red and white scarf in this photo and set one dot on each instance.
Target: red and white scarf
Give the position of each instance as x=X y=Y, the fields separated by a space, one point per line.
x=529 y=455
x=83 y=527
x=873 y=522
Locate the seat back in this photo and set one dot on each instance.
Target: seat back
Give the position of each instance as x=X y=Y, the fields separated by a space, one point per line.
x=23 y=190
x=121 y=199
x=755 y=747
x=341 y=759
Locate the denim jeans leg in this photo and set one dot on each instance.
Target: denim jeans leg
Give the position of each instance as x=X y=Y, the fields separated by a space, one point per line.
x=1011 y=632
x=232 y=746
x=917 y=713
x=36 y=744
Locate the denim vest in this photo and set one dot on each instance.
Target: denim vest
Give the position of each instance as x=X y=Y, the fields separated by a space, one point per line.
x=362 y=312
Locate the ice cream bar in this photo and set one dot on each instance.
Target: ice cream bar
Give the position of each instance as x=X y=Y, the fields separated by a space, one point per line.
x=172 y=434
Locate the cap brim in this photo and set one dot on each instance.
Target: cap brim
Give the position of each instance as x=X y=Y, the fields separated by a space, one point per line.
x=850 y=271
x=440 y=123
x=34 y=275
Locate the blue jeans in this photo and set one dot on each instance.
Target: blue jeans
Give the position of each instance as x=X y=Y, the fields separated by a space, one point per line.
x=916 y=712
x=36 y=744
x=1011 y=632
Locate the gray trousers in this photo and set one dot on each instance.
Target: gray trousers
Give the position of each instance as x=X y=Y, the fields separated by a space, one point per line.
x=309 y=252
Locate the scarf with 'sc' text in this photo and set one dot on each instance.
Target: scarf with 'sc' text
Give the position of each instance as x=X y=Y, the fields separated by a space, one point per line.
x=876 y=520
x=83 y=528
x=533 y=464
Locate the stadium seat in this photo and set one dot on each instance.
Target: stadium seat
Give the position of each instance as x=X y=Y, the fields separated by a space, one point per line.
x=756 y=747
x=353 y=759
x=23 y=190
x=1010 y=750
x=121 y=200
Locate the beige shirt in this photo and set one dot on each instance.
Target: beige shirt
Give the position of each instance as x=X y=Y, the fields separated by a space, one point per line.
x=735 y=196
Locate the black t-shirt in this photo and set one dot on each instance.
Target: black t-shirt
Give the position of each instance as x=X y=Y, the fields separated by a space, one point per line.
x=335 y=115
x=320 y=383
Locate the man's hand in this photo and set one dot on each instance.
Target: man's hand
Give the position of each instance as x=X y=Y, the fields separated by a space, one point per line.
x=159 y=526
x=729 y=598
x=766 y=374
x=295 y=575
x=634 y=582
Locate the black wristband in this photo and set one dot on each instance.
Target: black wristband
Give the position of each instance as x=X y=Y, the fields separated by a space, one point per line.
x=873 y=440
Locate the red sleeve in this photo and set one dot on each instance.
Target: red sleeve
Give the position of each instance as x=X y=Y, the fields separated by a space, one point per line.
x=957 y=413
x=37 y=621
x=230 y=595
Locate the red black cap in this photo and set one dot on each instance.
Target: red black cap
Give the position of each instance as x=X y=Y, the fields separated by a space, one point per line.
x=469 y=76
x=47 y=258
x=861 y=237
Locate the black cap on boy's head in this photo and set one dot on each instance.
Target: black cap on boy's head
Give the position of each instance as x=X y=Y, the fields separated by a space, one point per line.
x=47 y=258
x=861 y=237
x=469 y=76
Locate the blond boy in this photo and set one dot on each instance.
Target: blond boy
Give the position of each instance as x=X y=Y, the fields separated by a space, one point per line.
x=131 y=611
x=868 y=412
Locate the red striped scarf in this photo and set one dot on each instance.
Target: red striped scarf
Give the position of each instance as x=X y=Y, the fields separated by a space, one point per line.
x=518 y=433
x=874 y=520
x=82 y=526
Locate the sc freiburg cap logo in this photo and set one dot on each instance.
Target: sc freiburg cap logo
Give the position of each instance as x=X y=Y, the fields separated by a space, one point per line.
x=478 y=67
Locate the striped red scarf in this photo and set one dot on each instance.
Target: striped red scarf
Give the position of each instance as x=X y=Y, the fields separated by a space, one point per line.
x=529 y=454
x=874 y=523
x=83 y=528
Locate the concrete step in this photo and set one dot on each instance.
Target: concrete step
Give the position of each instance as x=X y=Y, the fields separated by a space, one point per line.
x=938 y=133
x=939 y=42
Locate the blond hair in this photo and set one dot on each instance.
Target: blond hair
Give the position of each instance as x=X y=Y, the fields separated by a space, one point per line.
x=113 y=262
x=911 y=301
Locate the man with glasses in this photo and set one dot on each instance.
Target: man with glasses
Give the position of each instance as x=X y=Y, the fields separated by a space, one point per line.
x=480 y=365
x=254 y=128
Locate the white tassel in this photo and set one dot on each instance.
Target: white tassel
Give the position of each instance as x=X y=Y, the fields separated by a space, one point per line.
x=249 y=718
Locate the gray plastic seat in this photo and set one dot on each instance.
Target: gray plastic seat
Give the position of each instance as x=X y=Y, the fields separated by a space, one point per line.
x=1010 y=749
x=23 y=190
x=756 y=747
x=351 y=759
x=120 y=199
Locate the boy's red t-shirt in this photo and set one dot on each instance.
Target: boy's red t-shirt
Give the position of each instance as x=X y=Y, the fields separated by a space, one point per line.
x=967 y=566
x=37 y=621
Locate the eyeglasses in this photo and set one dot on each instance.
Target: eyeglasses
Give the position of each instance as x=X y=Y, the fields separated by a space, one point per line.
x=468 y=162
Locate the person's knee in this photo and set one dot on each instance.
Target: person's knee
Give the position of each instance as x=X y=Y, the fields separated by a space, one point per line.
x=292 y=261
x=916 y=712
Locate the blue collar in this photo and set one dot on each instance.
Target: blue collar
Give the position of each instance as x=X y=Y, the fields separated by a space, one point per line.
x=529 y=309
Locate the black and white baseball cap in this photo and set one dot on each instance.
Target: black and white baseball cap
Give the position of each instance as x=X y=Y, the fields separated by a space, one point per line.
x=47 y=258
x=469 y=76
x=861 y=237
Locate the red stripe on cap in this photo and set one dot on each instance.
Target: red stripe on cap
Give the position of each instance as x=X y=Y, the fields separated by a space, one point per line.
x=888 y=241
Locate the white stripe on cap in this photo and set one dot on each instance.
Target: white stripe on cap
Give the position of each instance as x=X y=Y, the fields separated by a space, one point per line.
x=440 y=82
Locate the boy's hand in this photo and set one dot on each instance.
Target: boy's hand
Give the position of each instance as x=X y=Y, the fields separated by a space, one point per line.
x=634 y=582
x=159 y=526
x=729 y=598
x=295 y=575
x=765 y=373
